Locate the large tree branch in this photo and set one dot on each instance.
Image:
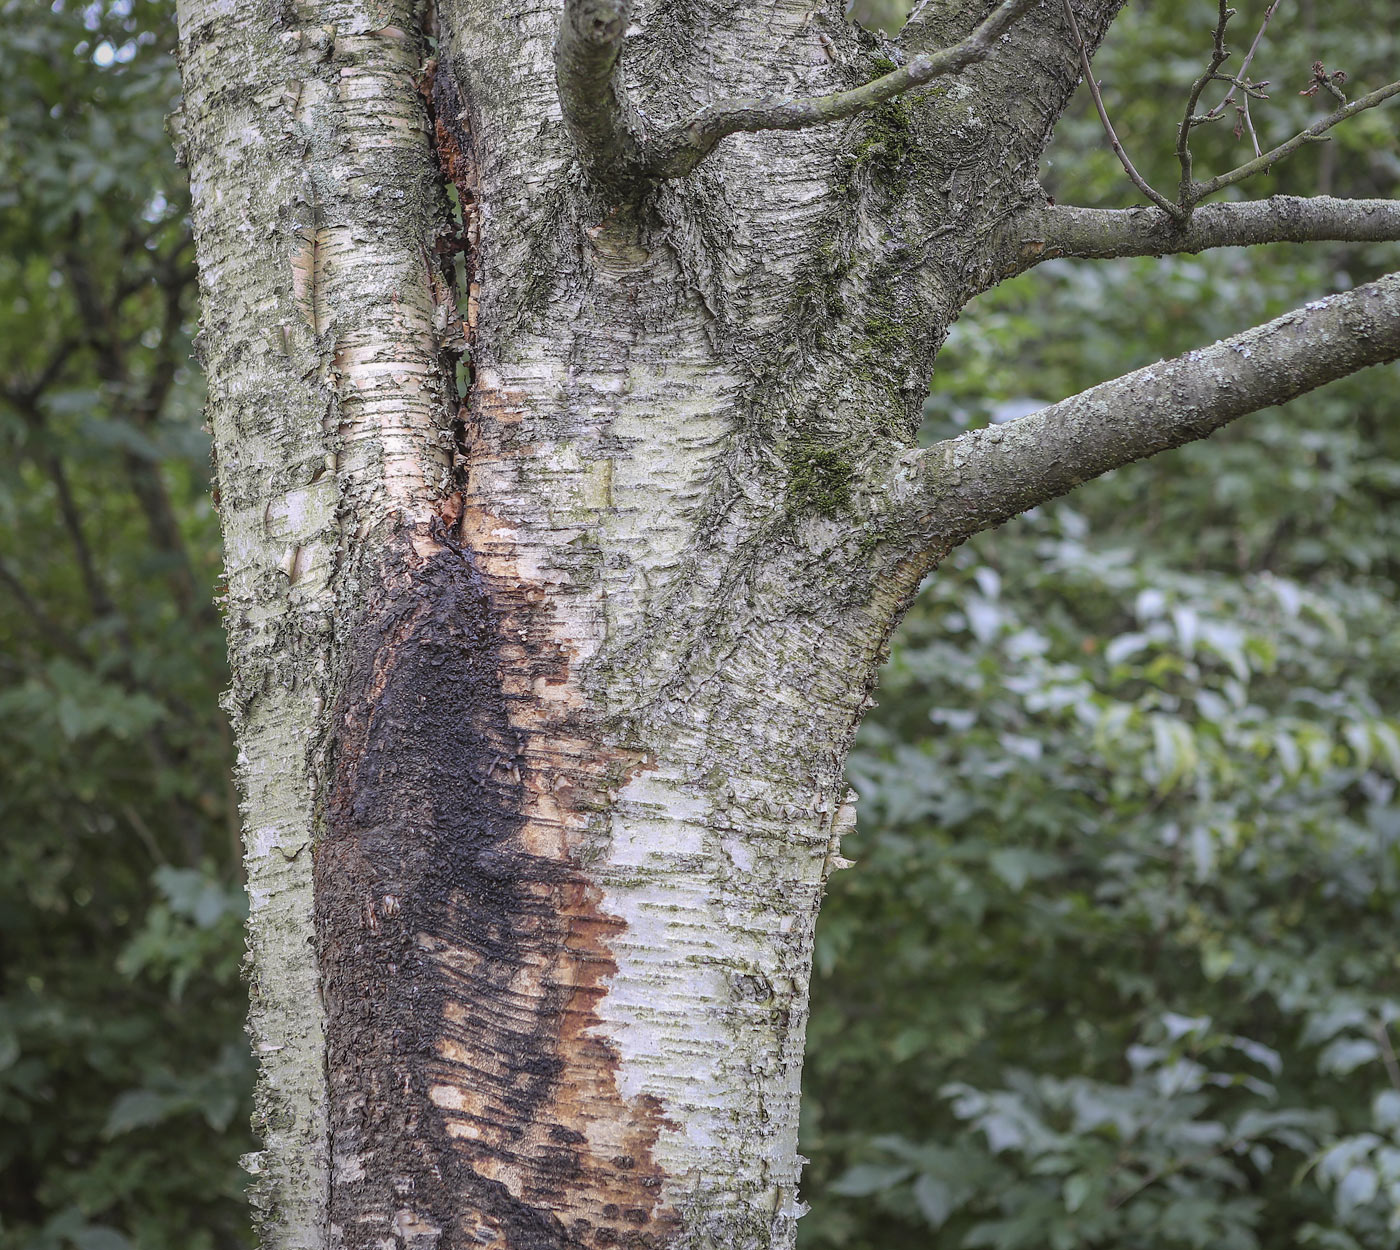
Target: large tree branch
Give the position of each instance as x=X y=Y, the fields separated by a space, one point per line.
x=1053 y=230
x=950 y=491
x=1025 y=87
x=678 y=151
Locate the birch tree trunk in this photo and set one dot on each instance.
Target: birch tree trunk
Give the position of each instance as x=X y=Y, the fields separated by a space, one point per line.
x=569 y=505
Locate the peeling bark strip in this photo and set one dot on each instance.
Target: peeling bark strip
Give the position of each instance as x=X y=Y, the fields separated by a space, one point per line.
x=462 y=950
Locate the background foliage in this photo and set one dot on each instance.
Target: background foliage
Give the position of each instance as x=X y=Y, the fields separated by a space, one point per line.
x=123 y=1068
x=1117 y=966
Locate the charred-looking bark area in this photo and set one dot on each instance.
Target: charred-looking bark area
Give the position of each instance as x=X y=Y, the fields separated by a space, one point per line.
x=462 y=953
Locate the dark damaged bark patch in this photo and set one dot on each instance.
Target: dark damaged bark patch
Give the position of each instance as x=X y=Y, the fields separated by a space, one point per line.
x=462 y=952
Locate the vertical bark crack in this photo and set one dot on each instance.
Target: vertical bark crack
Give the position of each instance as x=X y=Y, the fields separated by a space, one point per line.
x=454 y=284
x=463 y=951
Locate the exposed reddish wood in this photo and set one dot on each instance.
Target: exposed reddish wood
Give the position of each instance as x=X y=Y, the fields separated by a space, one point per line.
x=464 y=952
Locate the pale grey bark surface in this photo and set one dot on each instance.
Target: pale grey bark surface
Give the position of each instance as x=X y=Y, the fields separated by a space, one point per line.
x=313 y=195
x=543 y=690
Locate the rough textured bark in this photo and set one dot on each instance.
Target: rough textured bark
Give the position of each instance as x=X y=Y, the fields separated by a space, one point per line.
x=317 y=213
x=567 y=519
x=987 y=476
x=1053 y=230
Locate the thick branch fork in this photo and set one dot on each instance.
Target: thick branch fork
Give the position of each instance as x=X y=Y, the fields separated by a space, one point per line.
x=956 y=488
x=607 y=130
x=1055 y=230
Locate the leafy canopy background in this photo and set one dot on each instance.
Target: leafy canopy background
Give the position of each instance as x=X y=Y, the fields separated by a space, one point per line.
x=1118 y=965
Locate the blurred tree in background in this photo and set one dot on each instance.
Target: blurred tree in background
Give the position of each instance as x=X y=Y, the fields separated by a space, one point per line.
x=1118 y=967
x=123 y=1068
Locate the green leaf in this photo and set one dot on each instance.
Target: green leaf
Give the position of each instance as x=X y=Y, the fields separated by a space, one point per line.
x=137 y=1108
x=1385 y=1110
x=1358 y=1187
x=1013 y=866
x=1076 y=1189
x=870 y=1178
x=1346 y=1054
x=934 y=1198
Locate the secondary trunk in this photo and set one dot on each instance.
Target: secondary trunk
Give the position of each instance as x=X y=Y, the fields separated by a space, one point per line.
x=553 y=601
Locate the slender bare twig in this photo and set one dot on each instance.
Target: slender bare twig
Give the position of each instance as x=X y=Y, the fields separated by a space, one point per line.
x=1392 y=1067
x=1241 y=76
x=1192 y=192
x=1172 y=1169
x=1259 y=164
x=1173 y=210
x=143 y=832
x=1219 y=55
x=681 y=149
x=1249 y=125
x=1330 y=83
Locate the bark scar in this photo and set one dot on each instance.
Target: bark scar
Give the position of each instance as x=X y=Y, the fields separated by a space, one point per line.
x=464 y=952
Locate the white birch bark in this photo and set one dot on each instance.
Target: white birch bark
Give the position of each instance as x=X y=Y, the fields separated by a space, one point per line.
x=315 y=194
x=543 y=691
